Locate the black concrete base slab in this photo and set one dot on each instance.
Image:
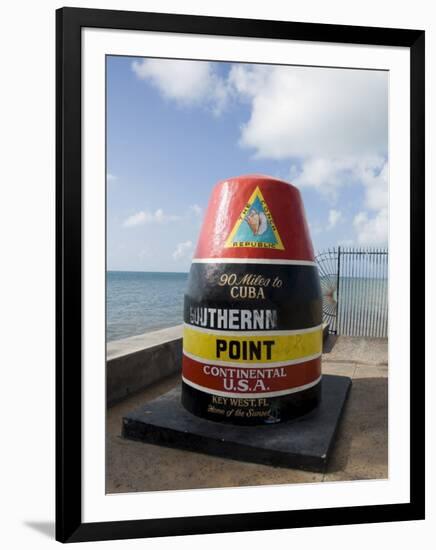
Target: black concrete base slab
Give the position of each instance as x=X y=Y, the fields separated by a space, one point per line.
x=304 y=443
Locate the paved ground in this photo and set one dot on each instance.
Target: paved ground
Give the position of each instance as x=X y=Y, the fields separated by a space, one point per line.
x=360 y=452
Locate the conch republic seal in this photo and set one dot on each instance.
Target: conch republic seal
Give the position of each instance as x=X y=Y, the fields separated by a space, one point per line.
x=252 y=337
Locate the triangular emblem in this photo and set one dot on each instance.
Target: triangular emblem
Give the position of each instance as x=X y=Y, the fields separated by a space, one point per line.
x=255 y=227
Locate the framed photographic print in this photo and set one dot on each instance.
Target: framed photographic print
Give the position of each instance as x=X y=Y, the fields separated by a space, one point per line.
x=240 y=274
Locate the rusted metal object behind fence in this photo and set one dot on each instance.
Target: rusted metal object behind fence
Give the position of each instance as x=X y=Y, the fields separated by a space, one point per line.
x=354 y=284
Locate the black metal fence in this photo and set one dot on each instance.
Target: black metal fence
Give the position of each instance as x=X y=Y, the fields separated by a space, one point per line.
x=354 y=284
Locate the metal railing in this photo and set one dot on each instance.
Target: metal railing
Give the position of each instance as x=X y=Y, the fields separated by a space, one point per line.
x=354 y=283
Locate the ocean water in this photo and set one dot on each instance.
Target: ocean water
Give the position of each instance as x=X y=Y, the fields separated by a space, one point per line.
x=138 y=302
x=360 y=308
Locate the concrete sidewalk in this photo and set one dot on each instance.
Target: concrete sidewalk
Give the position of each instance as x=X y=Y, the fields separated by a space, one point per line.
x=360 y=452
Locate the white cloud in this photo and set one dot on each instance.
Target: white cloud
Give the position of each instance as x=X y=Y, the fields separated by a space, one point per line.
x=328 y=175
x=329 y=117
x=313 y=112
x=334 y=217
x=187 y=82
x=159 y=216
x=145 y=217
x=372 y=231
x=111 y=177
x=375 y=180
x=137 y=219
x=196 y=209
x=295 y=112
x=324 y=174
x=330 y=124
x=183 y=250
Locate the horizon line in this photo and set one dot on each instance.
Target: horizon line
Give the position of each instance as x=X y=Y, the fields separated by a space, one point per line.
x=144 y=271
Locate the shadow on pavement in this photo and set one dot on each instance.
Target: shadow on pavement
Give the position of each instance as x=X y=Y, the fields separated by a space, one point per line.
x=329 y=343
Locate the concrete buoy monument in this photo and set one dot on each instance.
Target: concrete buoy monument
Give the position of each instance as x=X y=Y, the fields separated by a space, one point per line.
x=252 y=338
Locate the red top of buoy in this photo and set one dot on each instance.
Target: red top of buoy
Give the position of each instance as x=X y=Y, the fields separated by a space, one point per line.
x=255 y=216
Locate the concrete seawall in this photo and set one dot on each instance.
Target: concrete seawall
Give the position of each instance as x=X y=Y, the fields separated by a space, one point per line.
x=135 y=363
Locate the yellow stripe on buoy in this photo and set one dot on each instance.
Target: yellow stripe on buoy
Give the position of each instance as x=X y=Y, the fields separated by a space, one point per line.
x=243 y=348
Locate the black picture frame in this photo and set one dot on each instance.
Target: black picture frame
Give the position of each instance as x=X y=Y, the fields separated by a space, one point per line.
x=69 y=22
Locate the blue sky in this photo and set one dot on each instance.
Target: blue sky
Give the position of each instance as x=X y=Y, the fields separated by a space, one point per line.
x=175 y=128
